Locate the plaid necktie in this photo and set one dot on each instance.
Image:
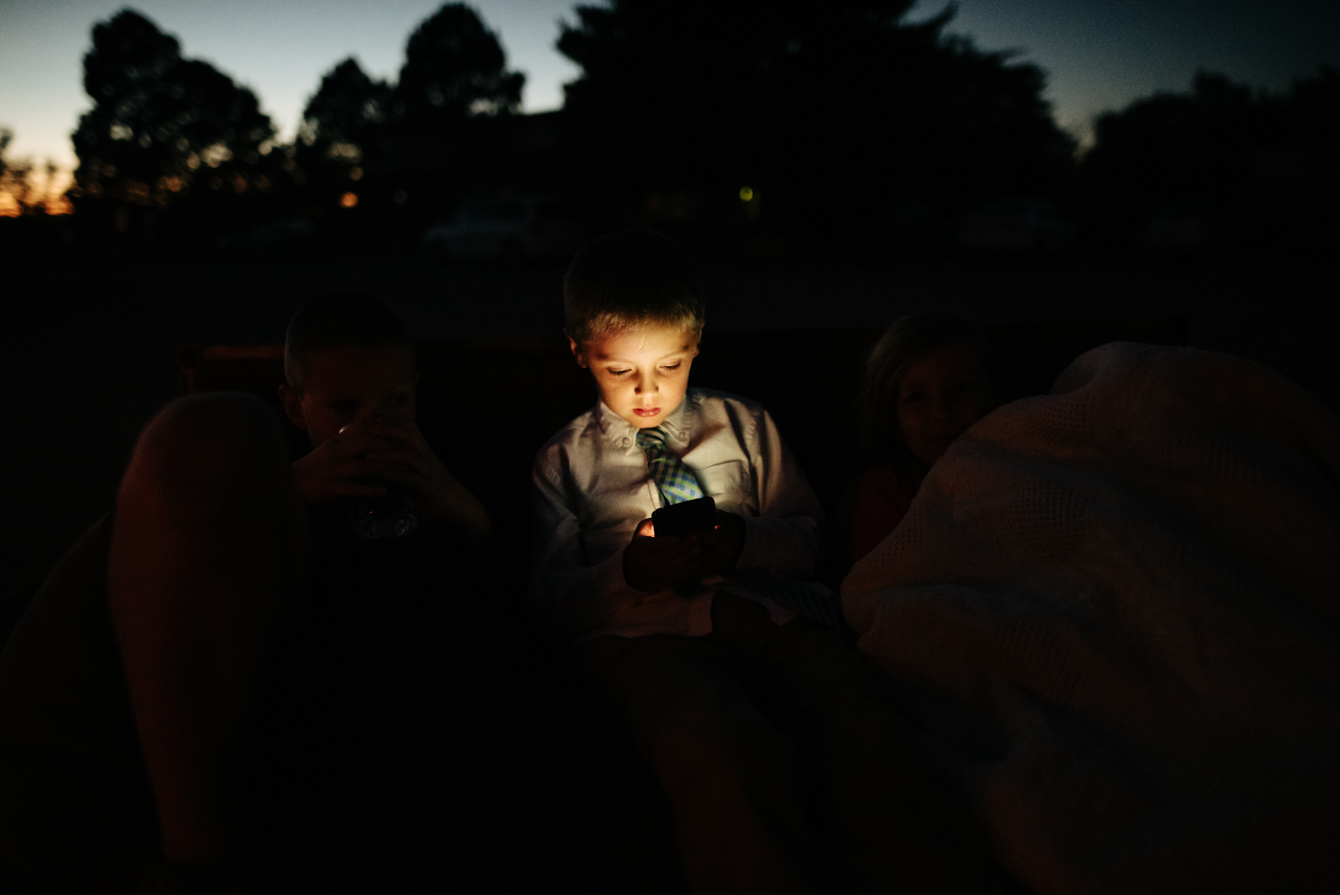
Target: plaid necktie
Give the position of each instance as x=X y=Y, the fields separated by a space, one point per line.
x=677 y=483
x=674 y=480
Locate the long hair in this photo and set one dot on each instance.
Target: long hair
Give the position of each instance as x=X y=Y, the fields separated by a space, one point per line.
x=906 y=339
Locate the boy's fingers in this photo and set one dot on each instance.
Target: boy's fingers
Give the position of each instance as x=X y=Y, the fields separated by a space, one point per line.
x=356 y=489
x=712 y=541
x=680 y=561
x=365 y=468
x=666 y=547
x=356 y=433
x=396 y=430
x=363 y=443
x=653 y=563
x=408 y=477
x=402 y=457
x=392 y=424
x=691 y=551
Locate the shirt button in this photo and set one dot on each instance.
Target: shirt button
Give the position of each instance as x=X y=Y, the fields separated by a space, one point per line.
x=625 y=443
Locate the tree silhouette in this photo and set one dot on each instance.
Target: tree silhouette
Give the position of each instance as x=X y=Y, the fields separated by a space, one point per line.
x=1261 y=163
x=392 y=157
x=836 y=108
x=1172 y=146
x=455 y=68
x=342 y=141
x=451 y=104
x=6 y=137
x=347 y=115
x=1310 y=114
x=164 y=130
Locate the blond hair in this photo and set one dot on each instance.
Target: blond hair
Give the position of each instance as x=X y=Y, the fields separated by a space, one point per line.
x=631 y=279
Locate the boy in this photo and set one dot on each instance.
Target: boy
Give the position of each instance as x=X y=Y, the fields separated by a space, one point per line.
x=748 y=713
x=148 y=669
x=350 y=378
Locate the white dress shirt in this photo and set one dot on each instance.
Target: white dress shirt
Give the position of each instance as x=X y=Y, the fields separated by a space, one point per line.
x=592 y=488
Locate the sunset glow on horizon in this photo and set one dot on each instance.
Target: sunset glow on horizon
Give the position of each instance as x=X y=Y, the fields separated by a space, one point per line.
x=53 y=196
x=1098 y=55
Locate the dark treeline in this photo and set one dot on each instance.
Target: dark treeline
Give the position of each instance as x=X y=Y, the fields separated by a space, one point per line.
x=803 y=128
x=173 y=151
x=1222 y=165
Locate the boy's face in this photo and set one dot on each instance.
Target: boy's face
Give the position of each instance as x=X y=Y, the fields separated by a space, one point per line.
x=642 y=372
x=942 y=393
x=345 y=384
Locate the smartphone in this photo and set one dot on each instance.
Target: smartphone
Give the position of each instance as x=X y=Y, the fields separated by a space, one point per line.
x=684 y=518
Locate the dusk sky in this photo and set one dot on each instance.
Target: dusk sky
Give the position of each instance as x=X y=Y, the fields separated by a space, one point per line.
x=1099 y=54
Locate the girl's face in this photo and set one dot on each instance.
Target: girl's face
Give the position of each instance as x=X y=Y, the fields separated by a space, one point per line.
x=943 y=391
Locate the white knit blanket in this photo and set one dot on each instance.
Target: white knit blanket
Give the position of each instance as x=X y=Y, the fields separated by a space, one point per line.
x=1116 y=608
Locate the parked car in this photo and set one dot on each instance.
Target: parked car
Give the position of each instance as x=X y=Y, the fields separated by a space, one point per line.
x=1017 y=226
x=506 y=229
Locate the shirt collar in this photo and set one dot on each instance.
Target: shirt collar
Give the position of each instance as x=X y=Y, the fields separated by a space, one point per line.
x=617 y=429
x=676 y=434
x=612 y=426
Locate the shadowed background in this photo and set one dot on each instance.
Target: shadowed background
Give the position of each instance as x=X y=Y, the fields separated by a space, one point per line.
x=1157 y=171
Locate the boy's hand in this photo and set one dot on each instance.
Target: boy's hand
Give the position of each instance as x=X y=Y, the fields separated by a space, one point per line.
x=652 y=564
x=411 y=465
x=722 y=545
x=340 y=467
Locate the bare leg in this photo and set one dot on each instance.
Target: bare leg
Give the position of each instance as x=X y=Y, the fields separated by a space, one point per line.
x=733 y=780
x=210 y=542
x=897 y=827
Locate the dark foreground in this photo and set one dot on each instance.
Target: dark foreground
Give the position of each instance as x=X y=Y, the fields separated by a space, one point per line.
x=89 y=355
x=92 y=354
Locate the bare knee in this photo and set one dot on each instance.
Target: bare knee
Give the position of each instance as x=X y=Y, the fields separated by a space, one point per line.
x=204 y=452
x=710 y=735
